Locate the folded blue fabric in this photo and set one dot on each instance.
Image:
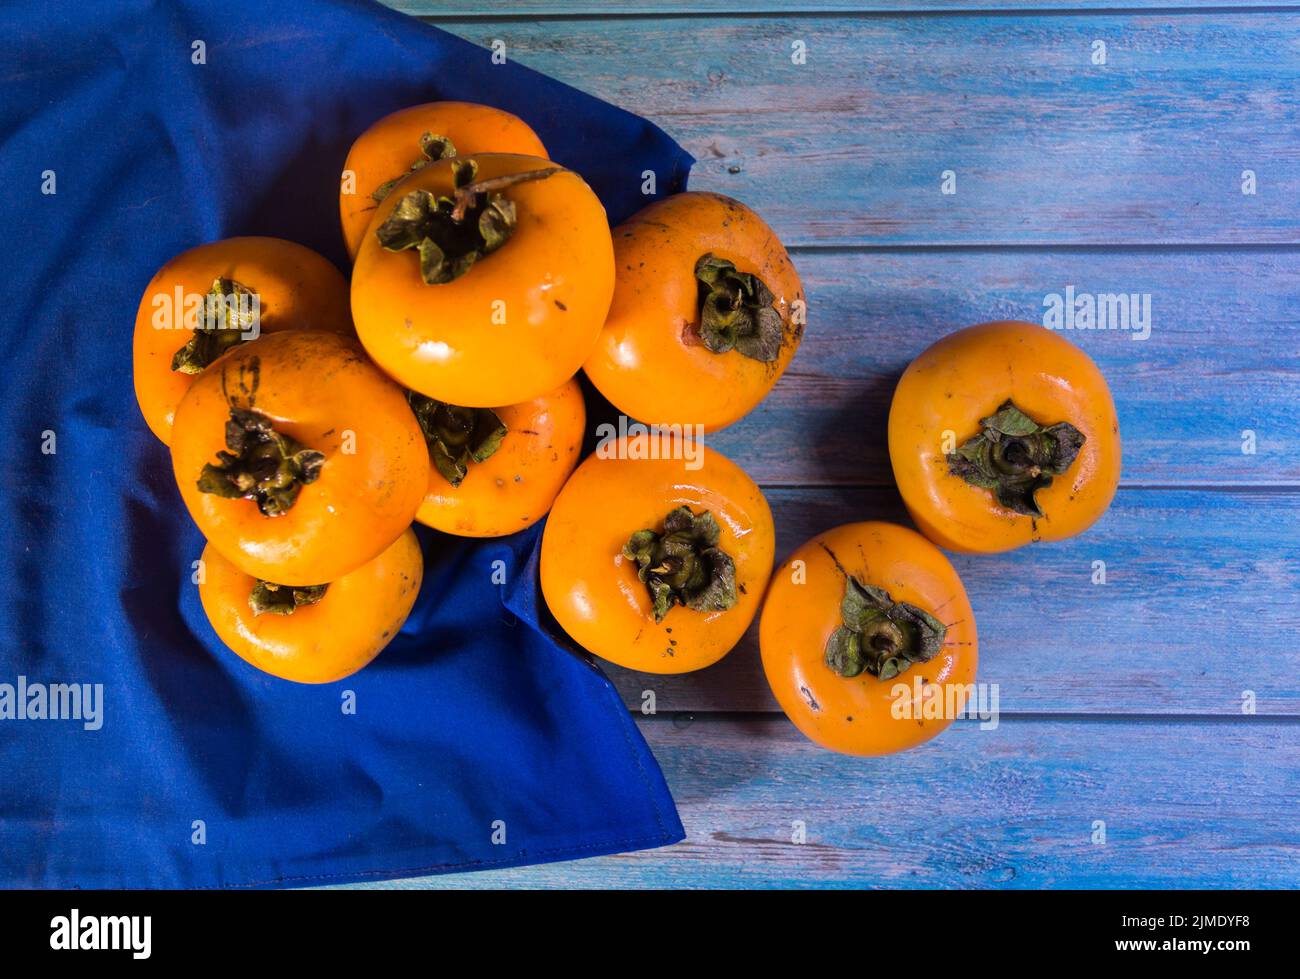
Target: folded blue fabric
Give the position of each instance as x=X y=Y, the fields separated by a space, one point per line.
x=477 y=740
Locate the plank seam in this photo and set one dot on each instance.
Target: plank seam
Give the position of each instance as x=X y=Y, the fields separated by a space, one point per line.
x=864 y=14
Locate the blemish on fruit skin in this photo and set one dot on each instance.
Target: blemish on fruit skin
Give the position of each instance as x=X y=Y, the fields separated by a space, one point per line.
x=812 y=701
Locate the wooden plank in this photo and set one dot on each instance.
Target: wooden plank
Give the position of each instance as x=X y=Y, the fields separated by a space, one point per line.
x=1201 y=604
x=1048 y=148
x=1222 y=357
x=434 y=10
x=1185 y=804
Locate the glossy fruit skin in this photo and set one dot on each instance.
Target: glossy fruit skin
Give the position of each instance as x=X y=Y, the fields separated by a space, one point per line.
x=297 y=289
x=388 y=148
x=321 y=390
x=514 y=487
x=853 y=715
x=593 y=590
x=649 y=360
x=357 y=617
x=965 y=377
x=553 y=280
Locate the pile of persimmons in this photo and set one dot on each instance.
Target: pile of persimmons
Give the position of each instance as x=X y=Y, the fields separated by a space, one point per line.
x=311 y=421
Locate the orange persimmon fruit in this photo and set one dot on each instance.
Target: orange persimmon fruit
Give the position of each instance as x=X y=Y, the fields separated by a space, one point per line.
x=298 y=459
x=484 y=280
x=496 y=471
x=653 y=561
x=313 y=634
x=868 y=640
x=211 y=297
x=1001 y=435
x=409 y=140
x=707 y=312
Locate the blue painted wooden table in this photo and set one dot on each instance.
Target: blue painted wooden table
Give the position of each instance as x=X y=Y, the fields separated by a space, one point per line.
x=1148 y=728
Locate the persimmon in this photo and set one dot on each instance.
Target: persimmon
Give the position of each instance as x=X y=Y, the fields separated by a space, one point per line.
x=707 y=312
x=212 y=297
x=298 y=459
x=653 y=562
x=496 y=471
x=411 y=139
x=1001 y=435
x=484 y=280
x=318 y=633
x=868 y=640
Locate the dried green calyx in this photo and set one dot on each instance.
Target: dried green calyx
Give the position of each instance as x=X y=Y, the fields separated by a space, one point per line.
x=456 y=436
x=432 y=149
x=880 y=636
x=1015 y=456
x=683 y=565
x=452 y=233
x=267 y=596
x=261 y=464
x=737 y=311
x=230 y=312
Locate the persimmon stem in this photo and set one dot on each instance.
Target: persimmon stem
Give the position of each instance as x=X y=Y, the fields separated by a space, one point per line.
x=737 y=311
x=451 y=233
x=456 y=436
x=466 y=195
x=432 y=149
x=229 y=315
x=261 y=465
x=267 y=596
x=880 y=636
x=683 y=564
x=1014 y=457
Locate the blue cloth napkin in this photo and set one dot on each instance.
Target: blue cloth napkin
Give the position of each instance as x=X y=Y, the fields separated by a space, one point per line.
x=476 y=740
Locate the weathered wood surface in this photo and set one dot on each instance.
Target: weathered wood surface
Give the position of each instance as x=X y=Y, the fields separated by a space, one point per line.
x=1047 y=147
x=1201 y=606
x=1120 y=702
x=1184 y=804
